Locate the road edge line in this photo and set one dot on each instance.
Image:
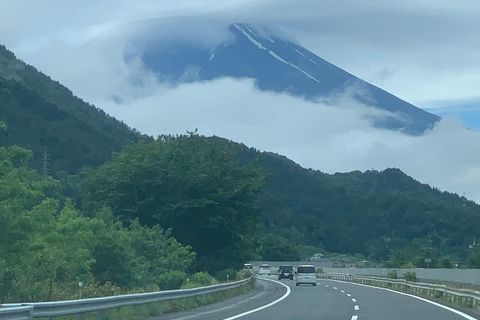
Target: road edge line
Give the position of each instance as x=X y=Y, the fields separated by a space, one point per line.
x=265 y=306
x=460 y=313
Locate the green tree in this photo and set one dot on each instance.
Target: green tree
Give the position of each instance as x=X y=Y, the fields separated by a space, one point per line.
x=275 y=248
x=134 y=256
x=474 y=258
x=191 y=184
x=58 y=253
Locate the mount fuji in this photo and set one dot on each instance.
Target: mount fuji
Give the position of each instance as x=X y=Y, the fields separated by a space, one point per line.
x=280 y=65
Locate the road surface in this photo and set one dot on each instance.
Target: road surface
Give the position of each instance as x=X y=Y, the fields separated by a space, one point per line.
x=329 y=300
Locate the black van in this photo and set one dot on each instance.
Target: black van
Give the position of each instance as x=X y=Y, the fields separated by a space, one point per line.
x=285 y=272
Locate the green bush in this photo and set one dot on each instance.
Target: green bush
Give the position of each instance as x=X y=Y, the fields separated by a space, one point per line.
x=202 y=278
x=221 y=276
x=410 y=276
x=171 y=280
x=392 y=274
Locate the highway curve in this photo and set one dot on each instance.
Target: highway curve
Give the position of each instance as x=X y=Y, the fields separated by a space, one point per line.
x=329 y=300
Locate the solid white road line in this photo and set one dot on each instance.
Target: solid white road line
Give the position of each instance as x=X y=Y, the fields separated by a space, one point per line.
x=265 y=306
x=466 y=316
x=228 y=307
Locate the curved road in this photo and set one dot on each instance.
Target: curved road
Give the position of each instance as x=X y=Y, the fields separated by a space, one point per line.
x=329 y=300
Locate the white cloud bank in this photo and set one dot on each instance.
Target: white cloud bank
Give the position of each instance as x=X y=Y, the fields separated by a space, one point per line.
x=333 y=138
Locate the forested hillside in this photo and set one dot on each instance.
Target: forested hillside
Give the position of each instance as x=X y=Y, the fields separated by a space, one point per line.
x=44 y=116
x=371 y=213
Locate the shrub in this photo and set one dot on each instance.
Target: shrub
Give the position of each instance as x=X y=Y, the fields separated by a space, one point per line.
x=171 y=280
x=410 y=276
x=221 y=276
x=392 y=274
x=202 y=278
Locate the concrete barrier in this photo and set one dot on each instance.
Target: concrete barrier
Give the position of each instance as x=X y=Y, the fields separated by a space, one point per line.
x=469 y=276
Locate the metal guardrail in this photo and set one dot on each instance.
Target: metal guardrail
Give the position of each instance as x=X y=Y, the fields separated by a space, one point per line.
x=17 y=313
x=465 y=298
x=60 y=308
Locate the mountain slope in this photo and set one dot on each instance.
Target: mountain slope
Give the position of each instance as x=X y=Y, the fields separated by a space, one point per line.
x=42 y=115
x=356 y=212
x=278 y=65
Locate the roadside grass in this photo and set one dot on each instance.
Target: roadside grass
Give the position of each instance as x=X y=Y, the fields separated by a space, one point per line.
x=148 y=310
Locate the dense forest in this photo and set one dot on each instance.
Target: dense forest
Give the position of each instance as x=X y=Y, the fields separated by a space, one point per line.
x=44 y=116
x=124 y=212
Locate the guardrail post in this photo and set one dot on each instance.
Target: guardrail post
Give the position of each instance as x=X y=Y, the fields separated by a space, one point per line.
x=80 y=316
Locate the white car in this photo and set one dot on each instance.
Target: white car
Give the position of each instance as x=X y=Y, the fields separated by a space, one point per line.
x=306 y=274
x=264 y=269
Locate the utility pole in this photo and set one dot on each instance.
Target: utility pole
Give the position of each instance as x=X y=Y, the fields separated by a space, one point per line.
x=45 y=165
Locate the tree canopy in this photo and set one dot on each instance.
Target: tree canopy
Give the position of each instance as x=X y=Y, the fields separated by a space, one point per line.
x=191 y=184
x=47 y=245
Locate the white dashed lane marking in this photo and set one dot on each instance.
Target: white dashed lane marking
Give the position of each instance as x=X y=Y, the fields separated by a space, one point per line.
x=355 y=307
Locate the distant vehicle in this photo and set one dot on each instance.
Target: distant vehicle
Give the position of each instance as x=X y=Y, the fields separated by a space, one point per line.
x=317 y=257
x=285 y=272
x=306 y=275
x=248 y=266
x=265 y=269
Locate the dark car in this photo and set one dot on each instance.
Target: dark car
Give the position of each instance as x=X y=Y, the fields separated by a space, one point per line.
x=285 y=272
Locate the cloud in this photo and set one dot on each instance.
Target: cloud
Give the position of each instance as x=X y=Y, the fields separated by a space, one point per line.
x=422 y=52
x=332 y=138
x=431 y=45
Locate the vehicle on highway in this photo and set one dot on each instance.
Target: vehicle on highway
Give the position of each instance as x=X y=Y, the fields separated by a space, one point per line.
x=248 y=266
x=306 y=275
x=265 y=269
x=285 y=272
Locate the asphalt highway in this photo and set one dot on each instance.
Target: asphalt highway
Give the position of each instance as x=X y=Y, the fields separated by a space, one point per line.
x=329 y=300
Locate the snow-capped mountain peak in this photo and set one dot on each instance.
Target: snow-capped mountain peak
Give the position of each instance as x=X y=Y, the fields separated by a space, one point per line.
x=277 y=64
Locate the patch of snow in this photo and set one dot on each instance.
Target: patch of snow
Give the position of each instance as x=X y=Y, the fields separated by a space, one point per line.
x=273 y=54
x=301 y=53
x=249 y=29
x=255 y=42
x=212 y=55
x=307 y=58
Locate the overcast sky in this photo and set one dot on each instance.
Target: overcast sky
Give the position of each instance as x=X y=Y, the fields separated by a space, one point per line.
x=425 y=52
